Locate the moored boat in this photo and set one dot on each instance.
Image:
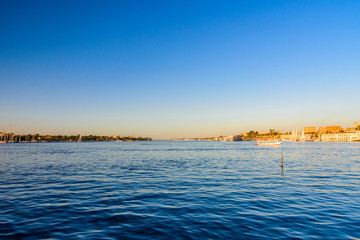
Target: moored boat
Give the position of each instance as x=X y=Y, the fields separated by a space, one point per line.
x=268 y=142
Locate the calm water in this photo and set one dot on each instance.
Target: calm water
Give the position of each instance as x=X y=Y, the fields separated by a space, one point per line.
x=179 y=190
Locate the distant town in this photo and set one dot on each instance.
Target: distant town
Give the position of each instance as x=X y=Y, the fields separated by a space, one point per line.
x=324 y=134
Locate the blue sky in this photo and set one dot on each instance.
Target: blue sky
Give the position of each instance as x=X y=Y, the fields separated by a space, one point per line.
x=178 y=68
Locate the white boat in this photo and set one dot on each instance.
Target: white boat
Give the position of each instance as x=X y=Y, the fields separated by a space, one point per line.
x=268 y=143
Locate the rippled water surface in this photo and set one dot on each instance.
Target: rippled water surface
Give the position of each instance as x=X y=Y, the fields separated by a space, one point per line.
x=179 y=190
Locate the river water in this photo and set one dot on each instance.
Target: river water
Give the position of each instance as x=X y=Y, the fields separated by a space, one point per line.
x=179 y=190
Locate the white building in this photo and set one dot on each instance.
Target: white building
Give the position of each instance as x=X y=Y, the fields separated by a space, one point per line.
x=234 y=138
x=341 y=137
x=286 y=137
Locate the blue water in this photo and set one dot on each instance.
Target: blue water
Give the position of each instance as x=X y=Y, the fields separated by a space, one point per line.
x=179 y=190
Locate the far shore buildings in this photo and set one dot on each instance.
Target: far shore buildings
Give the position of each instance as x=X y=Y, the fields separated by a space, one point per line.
x=339 y=135
x=309 y=130
x=325 y=134
x=230 y=138
x=330 y=129
x=234 y=138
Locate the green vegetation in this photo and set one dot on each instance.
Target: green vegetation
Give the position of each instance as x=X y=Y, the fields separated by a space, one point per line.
x=255 y=135
x=252 y=134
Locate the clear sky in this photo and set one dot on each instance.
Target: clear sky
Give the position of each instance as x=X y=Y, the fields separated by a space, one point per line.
x=178 y=68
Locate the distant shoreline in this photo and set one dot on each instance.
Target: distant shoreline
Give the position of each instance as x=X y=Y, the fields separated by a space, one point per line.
x=13 y=138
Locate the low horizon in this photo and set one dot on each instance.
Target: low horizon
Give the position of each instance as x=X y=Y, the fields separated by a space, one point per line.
x=171 y=136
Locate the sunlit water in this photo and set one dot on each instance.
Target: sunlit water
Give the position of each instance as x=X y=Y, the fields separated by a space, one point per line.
x=179 y=190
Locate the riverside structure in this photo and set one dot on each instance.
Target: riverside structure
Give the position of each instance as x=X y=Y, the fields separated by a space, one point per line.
x=325 y=134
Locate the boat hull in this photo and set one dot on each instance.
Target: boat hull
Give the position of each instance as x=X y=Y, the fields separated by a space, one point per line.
x=268 y=143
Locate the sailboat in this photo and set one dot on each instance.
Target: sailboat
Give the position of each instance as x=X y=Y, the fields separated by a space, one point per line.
x=79 y=140
x=295 y=135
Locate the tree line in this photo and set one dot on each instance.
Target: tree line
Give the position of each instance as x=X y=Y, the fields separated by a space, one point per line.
x=10 y=137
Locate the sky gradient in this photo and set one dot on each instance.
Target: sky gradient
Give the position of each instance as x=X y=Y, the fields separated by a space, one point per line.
x=168 y=69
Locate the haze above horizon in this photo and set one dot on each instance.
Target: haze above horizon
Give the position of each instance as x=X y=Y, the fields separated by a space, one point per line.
x=167 y=69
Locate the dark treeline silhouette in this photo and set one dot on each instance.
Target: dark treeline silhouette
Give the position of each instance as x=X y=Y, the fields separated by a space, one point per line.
x=10 y=137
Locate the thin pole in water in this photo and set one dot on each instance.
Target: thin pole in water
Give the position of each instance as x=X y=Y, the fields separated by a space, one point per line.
x=282 y=165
